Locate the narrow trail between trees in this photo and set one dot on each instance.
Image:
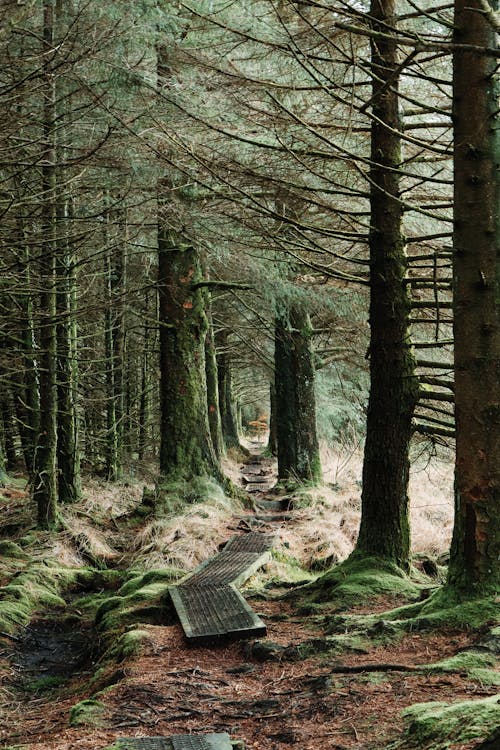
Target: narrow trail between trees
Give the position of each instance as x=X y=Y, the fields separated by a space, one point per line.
x=270 y=693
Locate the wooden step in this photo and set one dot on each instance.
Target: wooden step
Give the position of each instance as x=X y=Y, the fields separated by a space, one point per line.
x=211 y=613
x=285 y=503
x=219 y=741
x=207 y=602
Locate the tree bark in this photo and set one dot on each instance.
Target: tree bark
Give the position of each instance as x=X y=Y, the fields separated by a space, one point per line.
x=474 y=565
x=211 y=369
x=45 y=474
x=297 y=442
x=68 y=444
x=186 y=446
x=226 y=402
x=114 y=352
x=272 y=445
x=384 y=529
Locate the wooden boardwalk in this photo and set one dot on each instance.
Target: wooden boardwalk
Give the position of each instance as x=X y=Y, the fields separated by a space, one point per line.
x=219 y=741
x=209 y=606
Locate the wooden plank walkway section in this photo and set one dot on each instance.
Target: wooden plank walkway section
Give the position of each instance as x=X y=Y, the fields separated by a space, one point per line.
x=209 y=606
x=220 y=741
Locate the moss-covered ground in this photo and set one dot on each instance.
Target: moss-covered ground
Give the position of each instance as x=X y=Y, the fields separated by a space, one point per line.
x=348 y=648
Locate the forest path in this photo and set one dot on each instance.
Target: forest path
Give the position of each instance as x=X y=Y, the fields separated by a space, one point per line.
x=209 y=606
x=258 y=693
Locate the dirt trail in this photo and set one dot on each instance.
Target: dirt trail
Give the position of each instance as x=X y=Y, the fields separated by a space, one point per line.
x=171 y=688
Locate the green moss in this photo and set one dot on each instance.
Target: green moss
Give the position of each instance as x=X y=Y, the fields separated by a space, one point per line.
x=11 y=549
x=436 y=726
x=43 y=684
x=40 y=586
x=89 y=712
x=137 y=581
x=128 y=644
x=358 y=579
x=446 y=608
x=475 y=664
x=128 y=606
x=332 y=646
x=33 y=589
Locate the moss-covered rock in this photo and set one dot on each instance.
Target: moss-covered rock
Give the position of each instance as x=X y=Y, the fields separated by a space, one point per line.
x=435 y=726
x=33 y=589
x=89 y=712
x=127 y=645
x=143 y=598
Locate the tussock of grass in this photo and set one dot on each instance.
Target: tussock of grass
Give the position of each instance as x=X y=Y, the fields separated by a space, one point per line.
x=186 y=537
x=89 y=540
x=438 y=725
x=326 y=518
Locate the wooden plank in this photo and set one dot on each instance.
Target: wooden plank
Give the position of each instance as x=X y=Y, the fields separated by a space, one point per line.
x=210 y=613
x=207 y=602
x=212 y=741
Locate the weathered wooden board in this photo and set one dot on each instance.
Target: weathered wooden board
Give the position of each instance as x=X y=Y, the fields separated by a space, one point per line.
x=207 y=602
x=220 y=741
x=210 y=613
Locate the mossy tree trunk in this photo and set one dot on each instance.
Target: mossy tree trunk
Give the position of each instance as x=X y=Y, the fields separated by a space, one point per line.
x=3 y=471
x=272 y=445
x=114 y=339
x=68 y=444
x=44 y=471
x=186 y=446
x=474 y=564
x=8 y=425
x=297 y=441
x=384 y=529
x=212 y=375
x=146 y=380
x=226 y=400
x=26 y=391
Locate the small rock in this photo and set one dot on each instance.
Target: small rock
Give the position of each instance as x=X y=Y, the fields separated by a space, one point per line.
x=264 y=650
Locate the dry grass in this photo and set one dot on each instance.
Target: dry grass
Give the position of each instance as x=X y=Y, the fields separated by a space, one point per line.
x=185 y=539
x=328 y=525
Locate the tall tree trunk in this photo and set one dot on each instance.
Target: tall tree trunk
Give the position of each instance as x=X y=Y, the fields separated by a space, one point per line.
x=186 y=446
x=474 y=565
x=226 y=401
x=8 y=423
x=68 y=444
x=114 y=352
x=297 y=441
x=384 y=529
x=3 y=469
x=45 y=474
x=272 y=445
x=145 y=395
x=214 y=418
x=26 y=391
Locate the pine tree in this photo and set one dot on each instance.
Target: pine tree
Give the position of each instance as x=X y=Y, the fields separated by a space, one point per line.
x=474 y=563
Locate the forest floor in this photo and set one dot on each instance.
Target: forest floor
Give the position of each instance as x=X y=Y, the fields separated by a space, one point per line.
x=256 y=693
